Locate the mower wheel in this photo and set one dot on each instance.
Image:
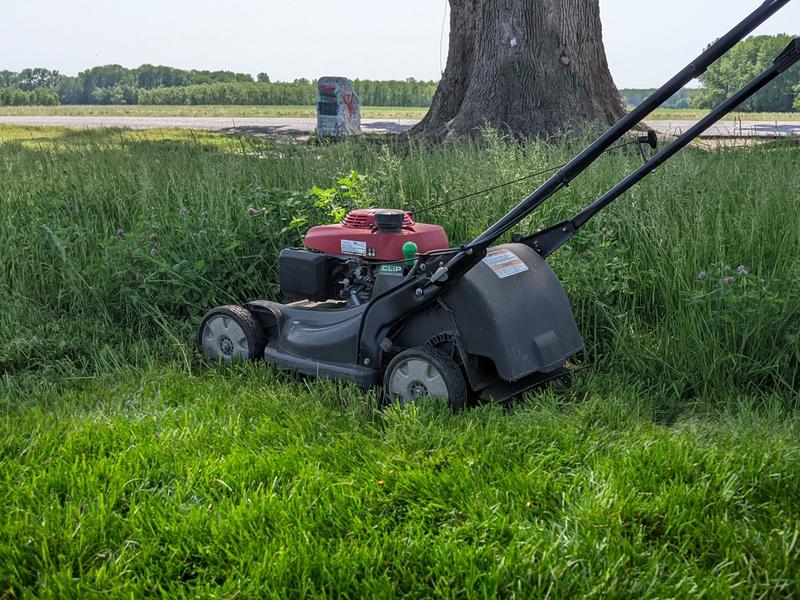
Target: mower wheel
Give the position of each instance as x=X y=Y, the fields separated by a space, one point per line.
x=230 y=333
x=424 y=371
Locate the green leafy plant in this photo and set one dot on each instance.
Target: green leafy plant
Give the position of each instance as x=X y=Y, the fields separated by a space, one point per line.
x=351 y=191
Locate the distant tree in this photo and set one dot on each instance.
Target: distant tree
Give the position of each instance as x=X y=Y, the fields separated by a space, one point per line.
x=797 y=98
x=200 y=77
x=42 y=96
x=70 y=90
x=746 y=60
x=124 y=93
x=149 y=77
x=31 y=79
x=100 y=95
x=634 y=97
x=395 y=93
x=8 y=79
x=97 y=82
x=262 y=78
x=10 y=96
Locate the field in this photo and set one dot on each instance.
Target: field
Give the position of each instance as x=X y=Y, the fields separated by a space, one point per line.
x=367 y=112
x=691 y=114
x=668 y=467
x=298 y=112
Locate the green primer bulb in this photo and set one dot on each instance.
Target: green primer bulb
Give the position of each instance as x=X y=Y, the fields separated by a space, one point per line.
x=409 y=252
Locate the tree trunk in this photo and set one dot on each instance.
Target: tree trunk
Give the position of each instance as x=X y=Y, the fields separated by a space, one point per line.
x=528 y=67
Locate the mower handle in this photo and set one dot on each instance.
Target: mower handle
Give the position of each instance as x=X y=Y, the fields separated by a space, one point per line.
x=548 y=241
x=419 y=291
x=463 y=261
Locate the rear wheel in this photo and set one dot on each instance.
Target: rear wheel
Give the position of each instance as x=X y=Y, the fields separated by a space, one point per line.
x=230 y=333
x=424 y=372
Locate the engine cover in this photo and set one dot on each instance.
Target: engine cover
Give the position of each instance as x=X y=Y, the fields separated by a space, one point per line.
x=376 y=233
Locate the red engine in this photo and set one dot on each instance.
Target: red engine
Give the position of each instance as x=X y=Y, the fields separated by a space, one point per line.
x=376 y=233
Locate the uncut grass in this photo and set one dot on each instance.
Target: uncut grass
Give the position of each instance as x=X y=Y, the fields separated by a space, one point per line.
x=129 y=468
x=77 y=299
x=254 y=483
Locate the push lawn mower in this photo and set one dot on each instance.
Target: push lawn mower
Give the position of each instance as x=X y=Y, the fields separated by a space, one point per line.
x=385 y=299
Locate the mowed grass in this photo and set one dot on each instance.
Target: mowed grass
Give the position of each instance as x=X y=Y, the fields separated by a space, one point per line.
x=308 y=112
x=253 y=484
x=668 y=467
x=693 y=114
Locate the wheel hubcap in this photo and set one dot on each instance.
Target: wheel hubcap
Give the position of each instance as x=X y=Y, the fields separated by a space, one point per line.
x=224 y=339
x=415 y=378
x=226 y=345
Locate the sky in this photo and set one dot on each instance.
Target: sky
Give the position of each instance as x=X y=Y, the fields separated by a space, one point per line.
x=647 y=41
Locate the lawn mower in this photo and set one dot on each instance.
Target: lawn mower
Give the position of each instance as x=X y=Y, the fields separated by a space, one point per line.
x=383 y=299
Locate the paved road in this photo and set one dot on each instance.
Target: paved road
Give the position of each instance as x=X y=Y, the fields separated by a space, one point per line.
x=303 y=127
x=729 y=129
x=275 y=126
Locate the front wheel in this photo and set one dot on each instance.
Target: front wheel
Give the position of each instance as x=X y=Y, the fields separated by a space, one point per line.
x=230 y=333
x=424 y=371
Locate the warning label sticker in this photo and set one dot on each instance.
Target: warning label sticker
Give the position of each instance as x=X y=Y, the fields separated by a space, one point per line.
x=504 y=263
x=352 y=247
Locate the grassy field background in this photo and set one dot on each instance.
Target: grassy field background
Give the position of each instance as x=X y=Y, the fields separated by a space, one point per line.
x=668 y=467
x=367 y=112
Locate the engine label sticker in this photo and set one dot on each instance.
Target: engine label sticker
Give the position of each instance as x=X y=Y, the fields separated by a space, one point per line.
x=352 y=247
x=391 y=270
x=504 y=263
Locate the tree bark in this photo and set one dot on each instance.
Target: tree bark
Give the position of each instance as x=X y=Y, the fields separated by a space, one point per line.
x=527 y=67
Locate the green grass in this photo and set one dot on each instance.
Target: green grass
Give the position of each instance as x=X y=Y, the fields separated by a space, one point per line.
x=367 y=112
x=667 y=468
x=691 y=114
x=252 y=483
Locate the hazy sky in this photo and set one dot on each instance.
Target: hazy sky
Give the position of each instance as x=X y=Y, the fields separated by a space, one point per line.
x=647 y=40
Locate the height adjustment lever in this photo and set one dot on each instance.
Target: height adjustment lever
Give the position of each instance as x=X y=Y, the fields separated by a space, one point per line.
x=651 y=139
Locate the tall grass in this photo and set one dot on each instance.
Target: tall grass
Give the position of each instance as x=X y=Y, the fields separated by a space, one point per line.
x=117 y=242
x=128 y=469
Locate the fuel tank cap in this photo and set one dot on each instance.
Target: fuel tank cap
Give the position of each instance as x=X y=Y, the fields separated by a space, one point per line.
x=389 y=220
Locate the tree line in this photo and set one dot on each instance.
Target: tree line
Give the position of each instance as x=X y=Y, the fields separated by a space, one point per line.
x=108 y=84
x=635 y=96
x=732 y=72
x=300 y=92
x=149 y=84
